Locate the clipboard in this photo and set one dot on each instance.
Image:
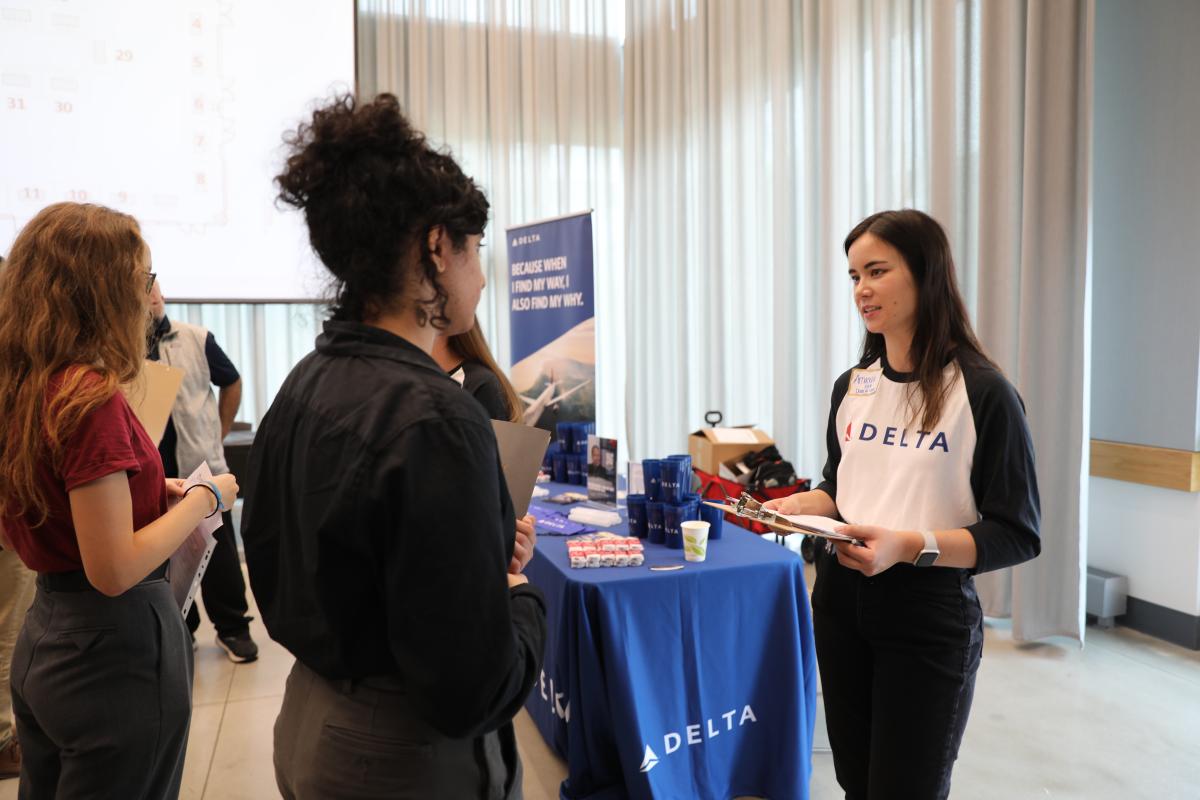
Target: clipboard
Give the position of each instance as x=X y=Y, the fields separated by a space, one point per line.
x=521 y=450
x=151 y=395
x=781 y=524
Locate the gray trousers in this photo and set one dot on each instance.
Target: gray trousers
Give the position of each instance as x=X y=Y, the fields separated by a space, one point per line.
x=102 y=694
x=359 y=740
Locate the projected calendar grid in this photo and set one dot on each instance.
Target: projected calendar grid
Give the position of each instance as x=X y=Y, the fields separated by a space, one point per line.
x=172 y=112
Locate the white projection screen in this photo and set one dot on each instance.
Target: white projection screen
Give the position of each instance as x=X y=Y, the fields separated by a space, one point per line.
x=172 y=112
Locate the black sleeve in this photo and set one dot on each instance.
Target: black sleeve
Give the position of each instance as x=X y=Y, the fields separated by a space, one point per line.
x=1003 y=478
x=221 y=370
x=468 y=647
x=833 y=443
x=485 y=387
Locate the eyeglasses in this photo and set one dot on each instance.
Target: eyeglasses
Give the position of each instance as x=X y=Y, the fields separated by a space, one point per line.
x=151 y=277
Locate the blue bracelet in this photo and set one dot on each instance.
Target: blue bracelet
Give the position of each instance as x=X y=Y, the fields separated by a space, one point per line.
x=212 y=487
x=217 y=492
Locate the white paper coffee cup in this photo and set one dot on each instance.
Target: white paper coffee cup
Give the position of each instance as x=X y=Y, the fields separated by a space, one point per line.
x=695 y=539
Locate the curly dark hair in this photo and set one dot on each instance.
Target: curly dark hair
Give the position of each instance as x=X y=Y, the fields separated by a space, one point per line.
x=371 y=188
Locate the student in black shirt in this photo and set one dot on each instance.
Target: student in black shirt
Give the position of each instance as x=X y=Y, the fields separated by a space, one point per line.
x=380 y=528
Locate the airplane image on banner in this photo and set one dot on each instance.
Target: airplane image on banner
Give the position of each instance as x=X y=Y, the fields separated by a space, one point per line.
x=547 y=399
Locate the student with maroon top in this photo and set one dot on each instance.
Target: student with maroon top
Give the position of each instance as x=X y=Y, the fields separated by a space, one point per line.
x=101 y=674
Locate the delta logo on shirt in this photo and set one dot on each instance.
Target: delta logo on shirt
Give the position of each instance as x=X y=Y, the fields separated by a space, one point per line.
x=892 y=436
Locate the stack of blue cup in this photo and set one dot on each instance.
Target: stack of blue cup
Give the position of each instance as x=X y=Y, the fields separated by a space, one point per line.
x=715 y=518
x=579 y=434
x=565 y=437
x=674 y=515
x=654 y=521
x=676 y=476
x=560 y=473
x=652 y=478
x=636 y=503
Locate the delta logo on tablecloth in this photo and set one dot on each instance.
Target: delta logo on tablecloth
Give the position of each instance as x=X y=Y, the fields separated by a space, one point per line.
x=555 y=700
x=693 y=735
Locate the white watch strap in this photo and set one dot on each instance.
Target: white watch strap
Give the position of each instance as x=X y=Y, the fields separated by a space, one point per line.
x=930 y=546
x=930 y=542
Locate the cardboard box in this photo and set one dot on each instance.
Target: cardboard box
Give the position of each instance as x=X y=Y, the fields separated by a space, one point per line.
x=712 y=447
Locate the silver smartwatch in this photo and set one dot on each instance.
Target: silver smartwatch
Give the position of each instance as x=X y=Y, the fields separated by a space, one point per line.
x=929 y=551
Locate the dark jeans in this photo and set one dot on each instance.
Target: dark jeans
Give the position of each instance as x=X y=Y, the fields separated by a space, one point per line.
x=223 y=587
x=102 y=691
x=360 y=740
x=898 y=654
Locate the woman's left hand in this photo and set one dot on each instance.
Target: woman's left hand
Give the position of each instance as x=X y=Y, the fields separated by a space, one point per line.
x=883 y=548
x=525 y=542
x=175 y=487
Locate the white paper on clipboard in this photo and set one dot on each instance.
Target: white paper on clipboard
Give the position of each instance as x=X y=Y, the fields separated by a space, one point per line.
x=189 y=562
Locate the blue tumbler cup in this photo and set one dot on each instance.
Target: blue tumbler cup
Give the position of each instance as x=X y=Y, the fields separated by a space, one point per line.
x=654 y=521
x=688 y=474
x=559 y=463
x=636 y=504
x=652 y=478
x=676 y=474
x=715 y=518
x=572 y=468
x=565 y=433
x=581 y=432
x=673 y=518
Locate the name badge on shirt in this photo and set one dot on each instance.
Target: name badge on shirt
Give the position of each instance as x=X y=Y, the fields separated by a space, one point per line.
x=864 y=382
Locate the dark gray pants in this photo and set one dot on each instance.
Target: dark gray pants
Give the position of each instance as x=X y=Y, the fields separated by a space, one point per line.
x=359 y=740
x=102 y=694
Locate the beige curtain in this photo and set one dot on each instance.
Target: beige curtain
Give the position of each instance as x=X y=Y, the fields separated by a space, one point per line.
x=1034 y=277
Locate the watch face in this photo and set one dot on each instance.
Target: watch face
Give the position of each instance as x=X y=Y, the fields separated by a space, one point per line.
x=926 y=558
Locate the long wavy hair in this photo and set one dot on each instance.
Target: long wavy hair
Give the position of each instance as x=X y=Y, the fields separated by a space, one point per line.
x=473 y=346
x=73 y=298
x=943 y=330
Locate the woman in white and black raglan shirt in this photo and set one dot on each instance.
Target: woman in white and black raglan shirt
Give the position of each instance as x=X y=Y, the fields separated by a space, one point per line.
x=931 y=464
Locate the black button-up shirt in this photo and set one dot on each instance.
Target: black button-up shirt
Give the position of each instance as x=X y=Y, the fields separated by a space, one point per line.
x=380 y=530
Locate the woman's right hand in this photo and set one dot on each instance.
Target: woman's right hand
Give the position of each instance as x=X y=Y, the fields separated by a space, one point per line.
x=516 y=580
x=227 y=485
x=798 y=503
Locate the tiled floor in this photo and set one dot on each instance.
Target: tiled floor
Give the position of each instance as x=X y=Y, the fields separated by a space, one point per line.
x=1117 y=719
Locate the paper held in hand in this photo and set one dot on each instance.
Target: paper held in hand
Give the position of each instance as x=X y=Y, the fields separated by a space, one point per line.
x=191 y=559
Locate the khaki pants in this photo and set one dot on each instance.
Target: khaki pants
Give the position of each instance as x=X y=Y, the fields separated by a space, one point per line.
x=16 y=595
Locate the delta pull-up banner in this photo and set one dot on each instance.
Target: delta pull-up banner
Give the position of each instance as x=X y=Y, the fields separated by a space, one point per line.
x=553 y=319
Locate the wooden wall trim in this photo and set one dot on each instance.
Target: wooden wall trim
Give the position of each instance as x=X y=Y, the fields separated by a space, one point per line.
x=1152 y=466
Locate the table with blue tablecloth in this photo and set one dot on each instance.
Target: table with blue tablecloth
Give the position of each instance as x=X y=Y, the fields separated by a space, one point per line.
x=696 y=683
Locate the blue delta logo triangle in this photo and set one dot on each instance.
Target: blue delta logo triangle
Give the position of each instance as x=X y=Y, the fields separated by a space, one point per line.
x=649 y=761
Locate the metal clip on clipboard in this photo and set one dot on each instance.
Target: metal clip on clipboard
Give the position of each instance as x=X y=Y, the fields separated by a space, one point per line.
x=748 y=507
